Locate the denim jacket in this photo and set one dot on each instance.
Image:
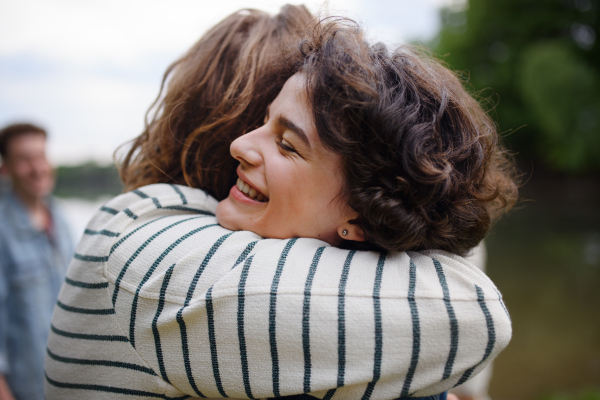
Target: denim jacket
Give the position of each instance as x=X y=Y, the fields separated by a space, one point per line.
x=32 y=269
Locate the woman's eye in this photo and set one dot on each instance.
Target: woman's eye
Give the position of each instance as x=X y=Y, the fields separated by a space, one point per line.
x=285 y=147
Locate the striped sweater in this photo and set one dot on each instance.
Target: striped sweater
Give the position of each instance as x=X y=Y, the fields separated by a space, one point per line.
x=162 y=302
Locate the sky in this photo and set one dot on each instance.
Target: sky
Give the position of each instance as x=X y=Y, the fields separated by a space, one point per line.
x=88 y=71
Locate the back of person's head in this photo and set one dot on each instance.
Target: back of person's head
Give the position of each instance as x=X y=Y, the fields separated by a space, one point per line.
x=422 y=162
x=217 y=91
x=10 y=132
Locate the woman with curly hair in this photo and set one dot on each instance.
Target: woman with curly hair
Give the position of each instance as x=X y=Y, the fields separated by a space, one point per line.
x=347 y=144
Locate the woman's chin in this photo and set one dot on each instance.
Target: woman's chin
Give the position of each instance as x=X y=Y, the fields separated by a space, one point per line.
x=234 y=218
x=224 y=216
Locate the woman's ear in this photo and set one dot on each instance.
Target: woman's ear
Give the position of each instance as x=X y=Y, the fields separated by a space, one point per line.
x=351 y=230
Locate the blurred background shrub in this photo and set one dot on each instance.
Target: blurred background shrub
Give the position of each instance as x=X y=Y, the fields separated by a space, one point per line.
x=88 y=181
x=536 y=61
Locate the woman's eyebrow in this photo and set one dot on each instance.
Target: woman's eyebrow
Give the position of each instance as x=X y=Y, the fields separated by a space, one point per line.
x=283 y=121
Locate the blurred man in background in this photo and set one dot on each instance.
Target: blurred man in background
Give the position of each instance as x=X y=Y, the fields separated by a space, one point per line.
x=35 y=249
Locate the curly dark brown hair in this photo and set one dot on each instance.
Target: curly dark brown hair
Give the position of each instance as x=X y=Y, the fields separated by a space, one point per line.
x=217 y=91
x=423 y=165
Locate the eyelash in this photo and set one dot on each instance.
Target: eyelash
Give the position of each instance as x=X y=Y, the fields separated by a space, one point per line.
x=285 y=147
x=279 y=142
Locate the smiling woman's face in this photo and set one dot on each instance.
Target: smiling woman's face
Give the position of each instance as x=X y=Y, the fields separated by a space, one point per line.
x=288 y=181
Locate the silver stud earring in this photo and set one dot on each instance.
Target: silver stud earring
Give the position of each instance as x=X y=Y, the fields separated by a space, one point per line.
x=344 y=232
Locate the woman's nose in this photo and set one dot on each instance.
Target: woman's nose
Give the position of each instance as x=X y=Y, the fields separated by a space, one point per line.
x=246 y=149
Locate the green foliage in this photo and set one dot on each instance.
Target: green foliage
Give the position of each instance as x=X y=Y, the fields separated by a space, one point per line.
x=541 y=58
x=88 y=180
x=561 y=93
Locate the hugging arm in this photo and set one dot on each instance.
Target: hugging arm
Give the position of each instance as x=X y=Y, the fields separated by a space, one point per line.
x=183 y=307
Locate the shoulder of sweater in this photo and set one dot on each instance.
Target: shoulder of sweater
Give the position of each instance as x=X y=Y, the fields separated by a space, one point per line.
x=120 y=211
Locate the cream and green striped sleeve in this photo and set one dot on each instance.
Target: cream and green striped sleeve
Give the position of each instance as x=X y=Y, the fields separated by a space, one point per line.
x=162 y=302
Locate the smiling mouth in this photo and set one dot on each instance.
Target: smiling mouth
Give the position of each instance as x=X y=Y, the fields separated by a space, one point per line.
x=250 y=192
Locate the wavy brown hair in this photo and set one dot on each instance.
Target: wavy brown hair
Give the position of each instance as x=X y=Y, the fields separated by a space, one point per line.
x=217 y=91
x=422 y=161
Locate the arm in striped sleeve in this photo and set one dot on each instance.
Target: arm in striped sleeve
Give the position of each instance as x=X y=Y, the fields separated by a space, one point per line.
x=341 y=324
x=261 y=318
x=215 y=313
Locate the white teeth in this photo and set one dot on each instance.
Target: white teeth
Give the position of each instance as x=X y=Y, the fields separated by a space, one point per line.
x=250 y=192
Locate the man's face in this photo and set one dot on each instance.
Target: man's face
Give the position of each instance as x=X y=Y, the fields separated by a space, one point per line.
x=28 y=167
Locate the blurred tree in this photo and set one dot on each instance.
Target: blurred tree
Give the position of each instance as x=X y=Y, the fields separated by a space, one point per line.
x=541 y=59
x=88 y=181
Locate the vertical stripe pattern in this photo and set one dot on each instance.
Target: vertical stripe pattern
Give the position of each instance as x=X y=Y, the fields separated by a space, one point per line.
x=414 y=313
x=149 y=274
x=273 y=315
x=378 y=328
x=491 y=335
x=342 y=320
x=306 y=318
x=159 y=309
x=210 y=315
x=214 y=359
x=451 y=317
x=181 y=321
x=240 y=326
